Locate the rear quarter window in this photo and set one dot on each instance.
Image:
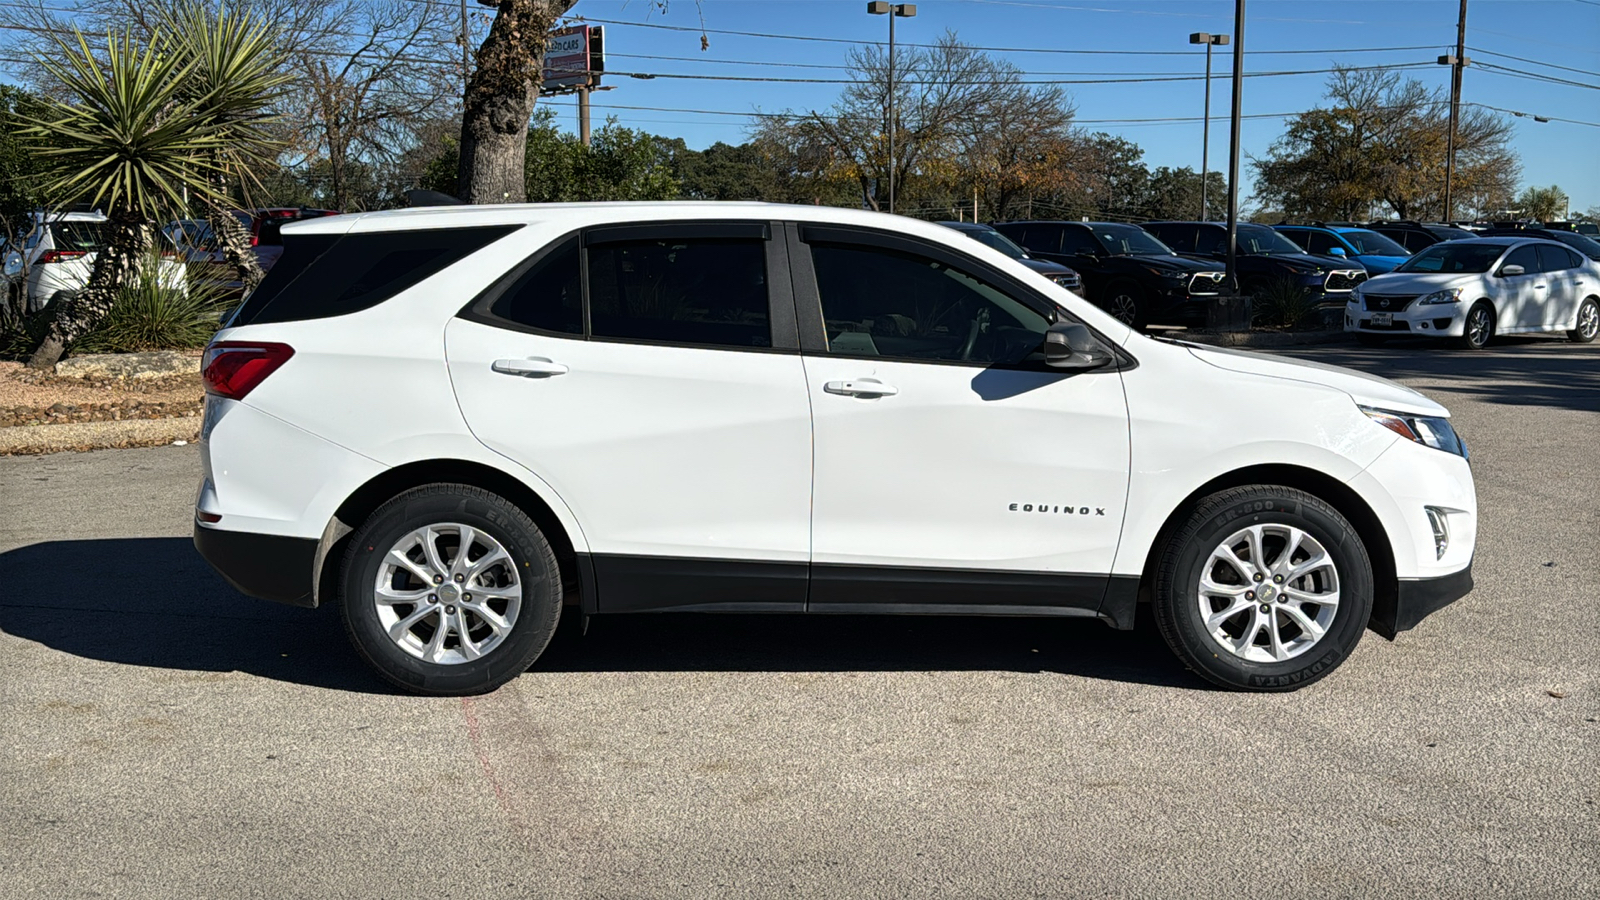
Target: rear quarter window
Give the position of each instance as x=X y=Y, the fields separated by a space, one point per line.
x=322 y=275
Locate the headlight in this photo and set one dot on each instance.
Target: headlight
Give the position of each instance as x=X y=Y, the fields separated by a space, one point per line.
x=1062 y=278
x=1449 y=296
x=1166 y=273
x=1428 y=430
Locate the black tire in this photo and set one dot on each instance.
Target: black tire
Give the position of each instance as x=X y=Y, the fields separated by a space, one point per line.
x=1588 y=322
x=1126 y=301
x=1188 y=550
x=1371 y=340
x=1474 y=337
x=537 y=574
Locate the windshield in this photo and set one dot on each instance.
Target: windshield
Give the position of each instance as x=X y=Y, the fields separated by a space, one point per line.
x=1259 y=240
x=1371 y=243
x=1452 y=257
x=1130 y=240
x=997 y=241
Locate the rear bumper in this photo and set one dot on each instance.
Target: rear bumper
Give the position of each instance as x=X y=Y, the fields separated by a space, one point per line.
x=1417 y=598
x=269 y=566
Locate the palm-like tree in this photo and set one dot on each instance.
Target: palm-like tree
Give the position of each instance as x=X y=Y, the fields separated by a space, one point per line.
x=238 y=71
x=141 y=126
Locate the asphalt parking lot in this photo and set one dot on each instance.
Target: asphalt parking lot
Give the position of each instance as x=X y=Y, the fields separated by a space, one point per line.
x=165 y=736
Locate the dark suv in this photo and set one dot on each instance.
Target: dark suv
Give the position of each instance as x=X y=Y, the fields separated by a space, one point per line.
x=1126 y=271
x=1416 y=236
x=1582 y=243
x=1264 y=256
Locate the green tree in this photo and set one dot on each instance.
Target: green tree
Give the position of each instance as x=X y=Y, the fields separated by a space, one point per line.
x=20 y=163
x=1175 y=194
x=622 y=164
x=1543 y=204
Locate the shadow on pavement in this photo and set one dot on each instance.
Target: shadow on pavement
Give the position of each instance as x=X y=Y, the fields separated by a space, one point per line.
x=1518 y=370
x=154 y=602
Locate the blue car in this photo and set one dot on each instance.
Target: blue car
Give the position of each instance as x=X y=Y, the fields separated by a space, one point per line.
x=1375 y=252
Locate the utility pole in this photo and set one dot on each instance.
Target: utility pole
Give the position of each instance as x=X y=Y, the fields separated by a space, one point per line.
x=583 y=113
x=1456 y=63
x=1210 y=40
x=1233 y=146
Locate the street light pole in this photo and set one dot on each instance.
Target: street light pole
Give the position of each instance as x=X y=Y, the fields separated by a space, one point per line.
x=1233 y=146
x=1456 y=62
x=893 y=11
x=1210 y=40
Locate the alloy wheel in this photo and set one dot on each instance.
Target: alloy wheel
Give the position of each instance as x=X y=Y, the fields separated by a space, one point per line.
x=1268 y=593
x=1478 y=324
x=1588 y=321
x=1125 y=308
x=447 y=593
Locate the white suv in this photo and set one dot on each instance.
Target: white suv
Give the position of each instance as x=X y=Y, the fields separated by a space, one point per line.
x=1474 y=289
x=56 y=253
x=450 y=422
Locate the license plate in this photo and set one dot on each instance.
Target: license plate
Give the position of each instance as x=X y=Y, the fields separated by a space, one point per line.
x=1383 y=318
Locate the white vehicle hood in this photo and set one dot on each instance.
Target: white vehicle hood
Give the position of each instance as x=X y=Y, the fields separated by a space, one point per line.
x=1366 y=390
x=1416 y=282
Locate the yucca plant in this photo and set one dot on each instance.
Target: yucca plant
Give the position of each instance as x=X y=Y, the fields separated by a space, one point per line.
x=122 y=136
x=238 y=72
x=1283 y=303
x=158 y=310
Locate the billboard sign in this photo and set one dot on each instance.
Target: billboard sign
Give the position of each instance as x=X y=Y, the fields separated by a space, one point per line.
x=566 y=58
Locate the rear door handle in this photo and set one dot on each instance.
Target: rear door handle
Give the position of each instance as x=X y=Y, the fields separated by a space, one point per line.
x=533 y=367
x=864 y=387
x=1540 y=287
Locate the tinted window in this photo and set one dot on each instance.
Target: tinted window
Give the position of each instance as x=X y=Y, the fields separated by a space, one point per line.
x=332 y=275
x=1587 y=246
x=690 y=291
x=1215 y=241
x=1319 y=242
x=1525 y=256
x=78 y=235
x=1038 y=238
x=1556 y=259
x=1075 y=241
x=997 y=241
x=1259 y=239
x=885 y=303
x=548 y=296
x=1177 y=236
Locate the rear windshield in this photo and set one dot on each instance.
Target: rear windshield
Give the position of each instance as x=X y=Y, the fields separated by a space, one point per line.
x=1453 y=256
x=323 y=275
x=997 y=241
x=78 y=235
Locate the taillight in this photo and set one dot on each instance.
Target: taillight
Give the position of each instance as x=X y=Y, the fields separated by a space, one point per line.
x=234 y=368
x=253 y=240
x=54 y=256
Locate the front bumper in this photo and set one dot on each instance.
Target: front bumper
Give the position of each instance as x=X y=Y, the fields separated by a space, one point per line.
x=1432 y=320
x=1415 y=599
x=269 y=566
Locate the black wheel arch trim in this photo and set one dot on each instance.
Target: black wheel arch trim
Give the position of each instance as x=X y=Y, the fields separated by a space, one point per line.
x=1415 y=599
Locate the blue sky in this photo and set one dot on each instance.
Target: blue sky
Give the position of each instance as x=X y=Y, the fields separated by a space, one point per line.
x=1544 y=33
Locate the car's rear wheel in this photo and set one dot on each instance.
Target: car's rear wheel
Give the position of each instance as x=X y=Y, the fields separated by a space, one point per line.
x=448 y=589
x=1125 y=301
x=1588 y=324
x=1263 y=588
x=1479 y=328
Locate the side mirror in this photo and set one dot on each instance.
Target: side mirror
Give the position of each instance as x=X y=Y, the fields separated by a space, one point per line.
x=1338 y=251
x=1068 y=345
x=1513 y=269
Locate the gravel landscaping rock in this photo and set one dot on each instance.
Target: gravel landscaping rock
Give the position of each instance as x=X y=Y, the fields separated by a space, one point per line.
x=133 y=366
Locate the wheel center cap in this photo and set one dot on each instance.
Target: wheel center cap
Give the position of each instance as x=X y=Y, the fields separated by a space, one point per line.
x=1268 y=592
x=449 y=593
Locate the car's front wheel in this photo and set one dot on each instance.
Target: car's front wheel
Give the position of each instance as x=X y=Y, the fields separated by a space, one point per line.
x=1263 y=588
x=1125 y=301
x=1479 y=328
x=449 y=589
x=1588 y=324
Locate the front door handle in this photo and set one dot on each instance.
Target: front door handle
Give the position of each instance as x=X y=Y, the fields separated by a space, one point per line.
x=864 y=387
x=1540 y=287
x=533 y=367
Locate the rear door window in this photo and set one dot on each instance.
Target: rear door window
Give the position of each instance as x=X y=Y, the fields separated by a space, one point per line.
x=1556 y=259
x=1075 y=241
x=698 y=291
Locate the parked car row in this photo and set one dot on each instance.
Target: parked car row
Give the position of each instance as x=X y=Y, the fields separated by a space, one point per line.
x=55 y=252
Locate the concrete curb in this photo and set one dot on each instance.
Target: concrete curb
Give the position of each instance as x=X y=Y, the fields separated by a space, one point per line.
x=27 y=440
x=1265 y=339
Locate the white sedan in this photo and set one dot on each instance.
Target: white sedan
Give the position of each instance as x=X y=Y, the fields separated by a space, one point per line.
x=1473 y=290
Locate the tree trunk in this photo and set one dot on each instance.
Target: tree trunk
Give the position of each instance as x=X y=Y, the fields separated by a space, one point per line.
x=234 y=242
x=500 y=98
x=117 y=264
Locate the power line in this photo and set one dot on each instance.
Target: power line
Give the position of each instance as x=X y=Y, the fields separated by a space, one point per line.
x=1493 y=69
x=1524 y=59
